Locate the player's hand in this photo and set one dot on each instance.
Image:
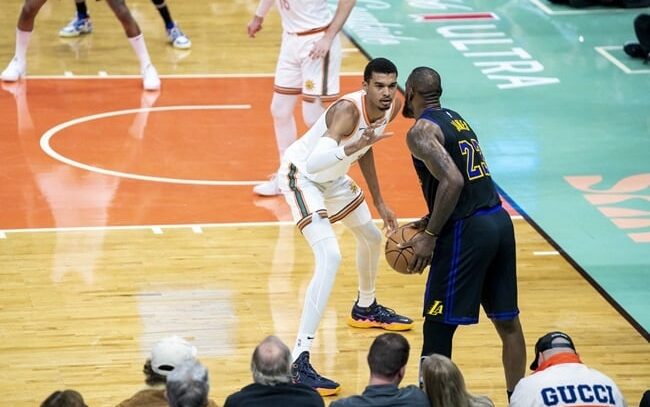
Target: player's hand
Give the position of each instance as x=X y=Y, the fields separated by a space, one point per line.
x=388 y=216
x=369 y=137
x=255 y=26
x=423 y=246
x=321 y=48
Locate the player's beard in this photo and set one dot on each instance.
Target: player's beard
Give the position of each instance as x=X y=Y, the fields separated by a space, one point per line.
x=407 y=110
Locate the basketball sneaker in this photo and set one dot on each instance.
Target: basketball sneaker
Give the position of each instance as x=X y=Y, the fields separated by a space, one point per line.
x=76 y=27
x=177 y=38
x=303 y=372
x=268 y=188
x=150 y=80
x=378 y=316
x=14 y=71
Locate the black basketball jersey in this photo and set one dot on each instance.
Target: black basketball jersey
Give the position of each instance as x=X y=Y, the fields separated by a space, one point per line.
x=462 y=145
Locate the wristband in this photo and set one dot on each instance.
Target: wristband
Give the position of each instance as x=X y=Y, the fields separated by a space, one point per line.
x=430 y=233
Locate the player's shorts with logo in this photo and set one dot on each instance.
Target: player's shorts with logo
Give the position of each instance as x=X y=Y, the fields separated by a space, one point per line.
x=474 y=263
x=340 y=199
x=296 y=73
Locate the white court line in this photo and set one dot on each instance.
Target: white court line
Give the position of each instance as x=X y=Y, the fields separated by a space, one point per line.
x=540 y=4
x=102 y=74
x=157 y=230
x=173 y=76
x=47 y=148
x=68 y=74
x=604 y=51
x=3 y=235
x=197 y=229
x=547 y=253
x=191 y=226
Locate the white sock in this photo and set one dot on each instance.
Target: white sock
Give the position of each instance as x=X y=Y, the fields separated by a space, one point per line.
x=283 y=121
x=303 y=344
x=311 y=111
x=368 y=252
x=22 y=43
x=327 y=258
x=140 y=48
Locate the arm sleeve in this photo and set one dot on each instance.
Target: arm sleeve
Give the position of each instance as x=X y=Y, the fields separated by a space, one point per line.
x=263 y=7
x=326 y=153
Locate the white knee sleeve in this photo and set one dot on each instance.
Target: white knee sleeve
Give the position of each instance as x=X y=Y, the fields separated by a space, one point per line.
x=283 y=121
x=311 y=111
x=327 y=258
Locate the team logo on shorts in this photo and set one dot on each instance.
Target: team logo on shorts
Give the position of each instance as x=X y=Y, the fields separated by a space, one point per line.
x=354 y=187
x=436 y=308
x=309 y=84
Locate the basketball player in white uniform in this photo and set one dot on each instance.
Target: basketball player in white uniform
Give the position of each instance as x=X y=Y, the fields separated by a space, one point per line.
x=308 y=65
x=313 y=178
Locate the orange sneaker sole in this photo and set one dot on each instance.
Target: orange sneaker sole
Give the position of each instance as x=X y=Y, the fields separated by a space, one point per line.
x=366 y=324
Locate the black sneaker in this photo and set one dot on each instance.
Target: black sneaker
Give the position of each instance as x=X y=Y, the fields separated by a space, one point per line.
x=635 y=50
x=303 y=372
x=378 y=316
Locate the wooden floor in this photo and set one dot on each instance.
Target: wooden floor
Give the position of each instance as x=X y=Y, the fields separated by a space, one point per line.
x=86 y=289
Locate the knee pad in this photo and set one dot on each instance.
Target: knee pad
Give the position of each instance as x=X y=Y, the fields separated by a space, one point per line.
x=369 y=233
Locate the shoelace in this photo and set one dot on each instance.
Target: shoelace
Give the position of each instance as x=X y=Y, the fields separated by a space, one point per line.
x=385 y=312
x=306 y=368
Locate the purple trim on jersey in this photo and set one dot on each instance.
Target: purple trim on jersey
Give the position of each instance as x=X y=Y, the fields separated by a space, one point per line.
x=487 y=211
x=454 y=271
x=503 y=315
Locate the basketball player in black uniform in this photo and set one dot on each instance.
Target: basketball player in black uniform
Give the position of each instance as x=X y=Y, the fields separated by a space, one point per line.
x=468 y=237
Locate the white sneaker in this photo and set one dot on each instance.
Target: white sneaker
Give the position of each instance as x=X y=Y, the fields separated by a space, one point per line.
x=268 y=188
x=14 y=71
x=76 y=27
x=150 y=80
x=177 y=38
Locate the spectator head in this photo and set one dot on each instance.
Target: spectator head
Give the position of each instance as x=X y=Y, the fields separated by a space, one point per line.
x=188 y=385
x=387 y=357
x=271 y=362
x=443 y=382
x=166 y=354
x=65 y=398
x=551 y=344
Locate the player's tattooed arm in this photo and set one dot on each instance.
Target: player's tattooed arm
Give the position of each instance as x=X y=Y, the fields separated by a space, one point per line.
x=426 y=142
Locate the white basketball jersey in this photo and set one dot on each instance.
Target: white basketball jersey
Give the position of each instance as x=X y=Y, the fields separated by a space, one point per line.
x=303 y=15
x=299 y=151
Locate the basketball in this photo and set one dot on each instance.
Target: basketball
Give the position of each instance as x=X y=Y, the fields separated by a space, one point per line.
x=397 y=258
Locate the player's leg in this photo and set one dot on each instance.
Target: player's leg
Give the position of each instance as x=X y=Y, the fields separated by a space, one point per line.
x=345 y=201
x=150 y=80
x=286 y=91
x=499 y=300
x=308 y=209
x=18 y=65
x=80 y=24
x=320 y=83
x=175 y=36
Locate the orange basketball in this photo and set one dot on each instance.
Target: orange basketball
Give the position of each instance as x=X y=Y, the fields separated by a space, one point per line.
x=397 y=258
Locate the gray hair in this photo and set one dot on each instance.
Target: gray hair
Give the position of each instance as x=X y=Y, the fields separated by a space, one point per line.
x=188 y=385
x=271 y=362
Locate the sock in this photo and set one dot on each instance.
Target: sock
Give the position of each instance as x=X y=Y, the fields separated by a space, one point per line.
x=82 y=10
x=140 y=48
x=22 y=42
x=164 y=13
x=303 y=343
